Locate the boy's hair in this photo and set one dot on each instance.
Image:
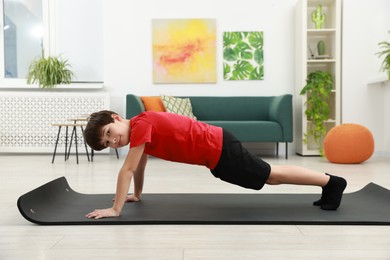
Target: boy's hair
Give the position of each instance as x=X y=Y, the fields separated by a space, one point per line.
x=93 y=132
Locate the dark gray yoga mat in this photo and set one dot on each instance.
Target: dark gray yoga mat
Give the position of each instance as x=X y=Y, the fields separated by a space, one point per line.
x=55 y=203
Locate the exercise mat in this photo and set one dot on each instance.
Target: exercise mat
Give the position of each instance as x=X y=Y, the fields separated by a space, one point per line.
x=55 y=203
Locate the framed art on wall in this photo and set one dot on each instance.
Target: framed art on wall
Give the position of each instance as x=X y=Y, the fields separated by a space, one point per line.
x=184 y=50
x=243 y=57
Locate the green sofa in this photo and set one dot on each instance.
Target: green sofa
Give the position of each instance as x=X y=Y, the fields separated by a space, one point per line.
x=249 y=118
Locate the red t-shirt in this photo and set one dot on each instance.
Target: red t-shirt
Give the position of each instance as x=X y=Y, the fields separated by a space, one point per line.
x=177 y=138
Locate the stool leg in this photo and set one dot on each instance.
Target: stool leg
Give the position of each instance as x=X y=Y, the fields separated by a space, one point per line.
x=71 y=141
x=66 y=143
x=86 y=149
x=75 y=143
x=277 y=149
x=55 y=148
x=117 y=155
x=92 y=154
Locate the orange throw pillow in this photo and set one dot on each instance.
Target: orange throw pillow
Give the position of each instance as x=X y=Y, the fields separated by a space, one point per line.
x=153 y=104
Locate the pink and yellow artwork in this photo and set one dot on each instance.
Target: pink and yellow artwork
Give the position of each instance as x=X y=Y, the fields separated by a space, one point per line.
x=184 y=51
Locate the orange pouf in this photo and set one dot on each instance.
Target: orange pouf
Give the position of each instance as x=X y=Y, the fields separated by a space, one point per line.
x=348 y=143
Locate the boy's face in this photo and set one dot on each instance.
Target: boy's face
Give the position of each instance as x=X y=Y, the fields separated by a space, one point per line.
x=116 y=134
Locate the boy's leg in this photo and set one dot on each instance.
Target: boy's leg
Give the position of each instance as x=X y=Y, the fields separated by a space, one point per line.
x=332 y=186
x=291 y=174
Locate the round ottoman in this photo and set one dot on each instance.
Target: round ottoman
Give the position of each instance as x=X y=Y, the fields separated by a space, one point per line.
x=348 y=143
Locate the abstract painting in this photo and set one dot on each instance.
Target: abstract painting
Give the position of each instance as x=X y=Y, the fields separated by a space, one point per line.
x=243 y=56
x=184 y=50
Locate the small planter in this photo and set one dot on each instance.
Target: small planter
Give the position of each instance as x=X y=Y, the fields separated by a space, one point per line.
x=49 y=72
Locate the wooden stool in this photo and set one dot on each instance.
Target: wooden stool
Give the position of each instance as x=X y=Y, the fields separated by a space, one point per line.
x=74 y=133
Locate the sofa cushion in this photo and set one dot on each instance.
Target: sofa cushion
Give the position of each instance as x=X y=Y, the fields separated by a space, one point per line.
x=231 y=108
x=181 y=106
x=252 y=131
x=153 y=104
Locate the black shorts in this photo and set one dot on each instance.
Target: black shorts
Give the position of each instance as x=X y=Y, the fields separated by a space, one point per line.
x=240 y=167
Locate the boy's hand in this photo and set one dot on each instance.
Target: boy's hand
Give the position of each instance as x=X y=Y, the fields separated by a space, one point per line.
x=103 y=213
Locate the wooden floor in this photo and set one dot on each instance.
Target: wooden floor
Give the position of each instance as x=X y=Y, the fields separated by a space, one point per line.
x=20 y=239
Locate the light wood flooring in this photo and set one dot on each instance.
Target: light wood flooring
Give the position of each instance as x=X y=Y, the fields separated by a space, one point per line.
x=20 y=239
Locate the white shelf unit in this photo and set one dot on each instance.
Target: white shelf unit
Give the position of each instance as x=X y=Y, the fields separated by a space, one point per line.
x=306 y=61
x=383 y=81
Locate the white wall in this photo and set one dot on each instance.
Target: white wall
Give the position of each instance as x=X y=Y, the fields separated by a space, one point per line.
x=365 y=24
x=128 y=64
x=128 y=59
x=128 y=50
x=79 y=37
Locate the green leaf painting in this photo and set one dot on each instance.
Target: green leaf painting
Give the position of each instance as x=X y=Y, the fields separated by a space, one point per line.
x=243 y=56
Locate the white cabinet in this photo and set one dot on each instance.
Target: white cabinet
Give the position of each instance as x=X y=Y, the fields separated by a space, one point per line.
x=308 y=60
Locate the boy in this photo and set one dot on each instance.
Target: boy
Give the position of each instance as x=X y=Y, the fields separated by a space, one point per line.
x=181 y=139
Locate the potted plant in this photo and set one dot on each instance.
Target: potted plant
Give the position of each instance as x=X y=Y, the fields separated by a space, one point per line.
x=319 y=85
x=49 y=72
x=385 y=46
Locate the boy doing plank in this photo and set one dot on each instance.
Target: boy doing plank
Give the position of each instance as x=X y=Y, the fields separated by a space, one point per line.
x=181 y=139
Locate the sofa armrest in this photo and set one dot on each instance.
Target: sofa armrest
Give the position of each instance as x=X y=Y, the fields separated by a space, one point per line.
x=134 y=106
x=281 y=111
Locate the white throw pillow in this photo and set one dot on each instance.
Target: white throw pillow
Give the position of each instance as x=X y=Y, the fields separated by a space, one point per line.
x=180 y=106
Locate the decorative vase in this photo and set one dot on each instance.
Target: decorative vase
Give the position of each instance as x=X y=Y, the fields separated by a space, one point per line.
x=318 y=17
x=321 y=48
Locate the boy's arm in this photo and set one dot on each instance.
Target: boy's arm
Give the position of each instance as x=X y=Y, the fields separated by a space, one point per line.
x=139 y=177
x=129 y=168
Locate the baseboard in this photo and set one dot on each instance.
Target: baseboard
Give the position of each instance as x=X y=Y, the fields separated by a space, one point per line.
x=382 y=154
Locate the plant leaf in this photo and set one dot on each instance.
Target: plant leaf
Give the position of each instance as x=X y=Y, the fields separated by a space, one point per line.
x=242 y=70
x=256 y=39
